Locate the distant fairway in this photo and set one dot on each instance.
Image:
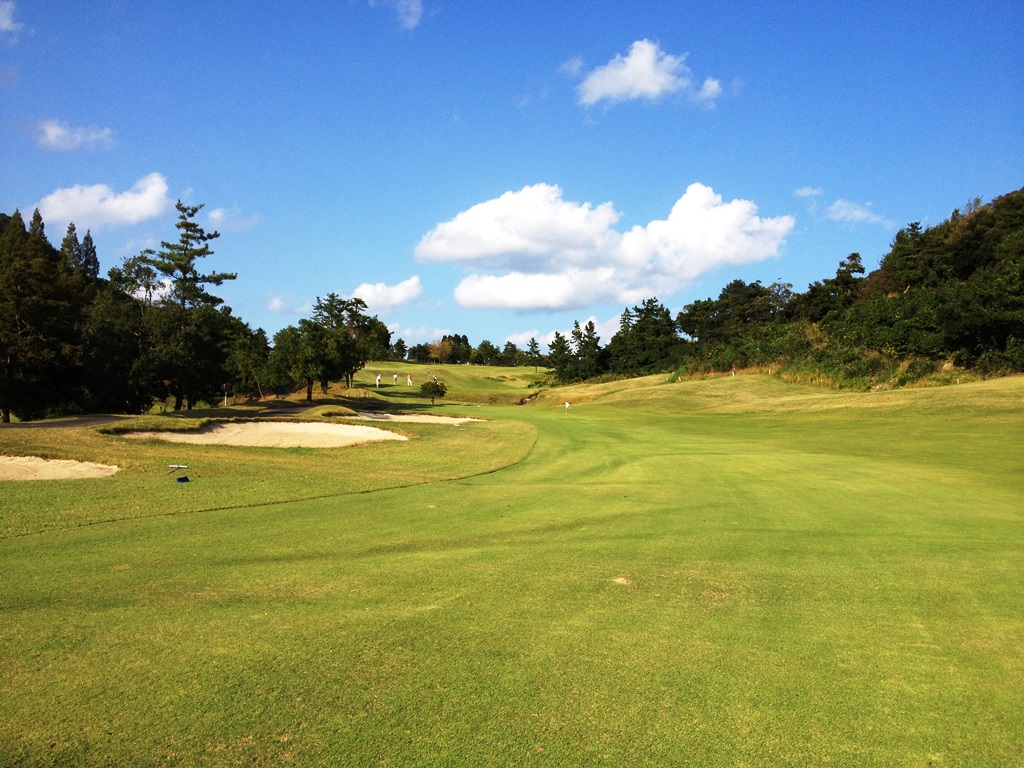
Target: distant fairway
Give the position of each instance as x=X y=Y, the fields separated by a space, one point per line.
x=719 y=572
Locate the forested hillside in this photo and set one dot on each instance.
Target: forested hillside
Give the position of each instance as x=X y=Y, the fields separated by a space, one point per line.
x=949 y=296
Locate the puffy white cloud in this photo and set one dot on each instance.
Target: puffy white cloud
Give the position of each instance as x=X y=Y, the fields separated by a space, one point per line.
x=380 y=297
x=527 y=227
x=278 y=303
x=647 y=72
x=98 y=206
x=844 y=210
x=54 y=134
x=533 y=250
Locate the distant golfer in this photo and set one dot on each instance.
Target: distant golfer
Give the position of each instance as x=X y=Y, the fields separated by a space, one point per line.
x=378 y=381
x=396 y=379
x=566 y=406
x=408 y=379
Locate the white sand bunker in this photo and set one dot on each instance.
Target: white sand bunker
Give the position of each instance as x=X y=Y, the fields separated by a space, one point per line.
x=415 y=418
x=274 y=434
x=34 y=468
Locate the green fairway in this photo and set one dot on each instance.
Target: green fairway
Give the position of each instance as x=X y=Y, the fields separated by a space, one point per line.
x=730 y=571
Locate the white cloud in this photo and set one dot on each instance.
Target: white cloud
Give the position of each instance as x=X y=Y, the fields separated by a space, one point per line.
x=808 y=192
x=533 y=250
x=7 y=22
x=525 y=227
x=844 y=210
x=98 y=206
x=380 y=297
x=421 y=335
x=54 y=134
x=283 y=304
x=522 y=339
x=647 y=72
x=278 y=303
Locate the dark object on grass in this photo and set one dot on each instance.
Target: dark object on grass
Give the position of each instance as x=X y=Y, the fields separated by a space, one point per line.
x=433 y=389
x=182 y=479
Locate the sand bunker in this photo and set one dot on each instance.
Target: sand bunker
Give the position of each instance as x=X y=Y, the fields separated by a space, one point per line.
x=274 y=434
x=415 y=418
x=34 y=468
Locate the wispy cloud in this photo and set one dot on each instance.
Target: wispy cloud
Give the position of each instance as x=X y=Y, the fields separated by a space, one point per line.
x=857 y=213
x=646 y=72
x=534 y=250
x=809 y=192
x=572 y=67
x=409 y=12
x=8 y=25
x=284 y=304
x=58 y=135
x=232 y=220
x=99 y=206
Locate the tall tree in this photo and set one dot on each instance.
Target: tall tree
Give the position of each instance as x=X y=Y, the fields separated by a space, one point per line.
x=533 y=353
x=192 y=361
x=647 y=340
x=560 y=356
x=486 y=353
x=41 y=305
x=398 y=350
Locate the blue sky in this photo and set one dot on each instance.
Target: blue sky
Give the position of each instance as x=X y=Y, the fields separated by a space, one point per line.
x=501 y=169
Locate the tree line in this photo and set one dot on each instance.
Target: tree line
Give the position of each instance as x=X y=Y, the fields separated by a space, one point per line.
x=72 y=341
x=951 y=295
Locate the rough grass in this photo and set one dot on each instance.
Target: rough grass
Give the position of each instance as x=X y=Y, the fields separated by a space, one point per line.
x=673 y=574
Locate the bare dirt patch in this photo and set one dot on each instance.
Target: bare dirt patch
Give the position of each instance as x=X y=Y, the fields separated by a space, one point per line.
x=35 y=468
x=274 y=434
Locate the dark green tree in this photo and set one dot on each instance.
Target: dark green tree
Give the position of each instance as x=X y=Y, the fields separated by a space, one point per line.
x=433 y=389
x=560 y=356
x=398 y=350
x=533 y=353
x=647 y=340
x=41 y=307
x=189 y=354
x=486 y=353
x=510 y=354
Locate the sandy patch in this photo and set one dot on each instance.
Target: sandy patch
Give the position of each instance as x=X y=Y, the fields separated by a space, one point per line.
x=415 y=418
x=274 y=434
x=34 y=468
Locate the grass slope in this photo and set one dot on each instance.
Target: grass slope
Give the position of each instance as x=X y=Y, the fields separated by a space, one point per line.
x=726 y=572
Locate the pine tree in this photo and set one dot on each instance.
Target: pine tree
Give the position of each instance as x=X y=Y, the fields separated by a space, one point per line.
x=177 y=261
